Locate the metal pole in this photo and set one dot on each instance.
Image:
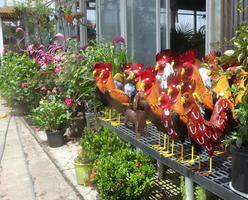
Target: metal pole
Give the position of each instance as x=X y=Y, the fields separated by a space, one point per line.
x=161 y=170
x=1 y=38
x=123 y=18
x=168 y=23
x=83 y=29
x=158 y=26
x=189 y=188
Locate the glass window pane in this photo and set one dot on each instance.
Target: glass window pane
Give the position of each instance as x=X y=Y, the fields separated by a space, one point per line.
x=110 y=18
x=141 y=30
x=163 y=24
x=201 y=19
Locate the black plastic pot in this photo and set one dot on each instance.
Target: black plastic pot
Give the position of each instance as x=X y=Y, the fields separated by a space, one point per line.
x=55 y=139
x=239 y=174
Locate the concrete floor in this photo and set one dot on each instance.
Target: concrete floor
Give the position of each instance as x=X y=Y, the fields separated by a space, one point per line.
x=29 y=169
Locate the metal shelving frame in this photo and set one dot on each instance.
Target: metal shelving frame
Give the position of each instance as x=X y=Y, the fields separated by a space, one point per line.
x=217 y=182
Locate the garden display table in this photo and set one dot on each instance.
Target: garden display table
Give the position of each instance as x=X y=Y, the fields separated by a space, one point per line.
x=217 y=182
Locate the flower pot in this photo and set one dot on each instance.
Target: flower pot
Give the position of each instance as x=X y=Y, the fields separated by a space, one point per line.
x=239 y=174
x=55 y=139
x=83 y=172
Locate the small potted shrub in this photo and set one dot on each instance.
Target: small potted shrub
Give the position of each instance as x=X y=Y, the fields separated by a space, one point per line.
x=124 y=175
x=83 y=169
x=51 y=115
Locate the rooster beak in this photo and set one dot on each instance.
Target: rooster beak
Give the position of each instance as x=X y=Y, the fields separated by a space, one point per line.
x=169 y=91
x=142 y=86
x=94 y=73
x=196 y=97
x=183 y=72
x=101 y=75
x=159 y=100
x=172 y=63
x=209 y=72
x=157 y=67
x=131 y=76
x=183 y=100
x=178 y=87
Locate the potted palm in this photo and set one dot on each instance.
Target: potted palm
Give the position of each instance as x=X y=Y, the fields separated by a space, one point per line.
x=51 y=115
x=238 y=141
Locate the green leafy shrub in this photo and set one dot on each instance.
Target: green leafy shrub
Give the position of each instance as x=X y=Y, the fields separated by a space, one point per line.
x=239 y=55
x=101 y=142
x=124 y=175
x=18 y=85
x=50 y=115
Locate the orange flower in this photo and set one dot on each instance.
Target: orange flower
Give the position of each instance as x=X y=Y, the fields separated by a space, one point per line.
x=138 y=164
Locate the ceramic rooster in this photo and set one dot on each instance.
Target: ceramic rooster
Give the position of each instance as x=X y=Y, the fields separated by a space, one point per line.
x=207 y=134
x=184 y=61
x=149 y=90
x=106 y=91
x=164 y=67
x=132 y=74
x=220 y=84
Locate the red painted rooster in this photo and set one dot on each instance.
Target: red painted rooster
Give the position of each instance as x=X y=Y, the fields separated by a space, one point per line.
x=207 y=134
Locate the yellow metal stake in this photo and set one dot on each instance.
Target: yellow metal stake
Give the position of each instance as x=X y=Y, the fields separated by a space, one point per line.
x=118 y=120
x=199 y=162
x=182 y=151
x=210 y=164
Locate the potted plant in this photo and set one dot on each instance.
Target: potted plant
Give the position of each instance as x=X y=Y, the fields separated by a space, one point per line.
x=51 y=115
x=238 y=141
x=83 y=169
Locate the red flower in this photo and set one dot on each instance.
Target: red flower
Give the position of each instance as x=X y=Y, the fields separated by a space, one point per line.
x=69 y=101
x=24 y=84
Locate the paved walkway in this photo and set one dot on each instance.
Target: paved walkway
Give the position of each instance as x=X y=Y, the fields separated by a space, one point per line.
x=26 y=172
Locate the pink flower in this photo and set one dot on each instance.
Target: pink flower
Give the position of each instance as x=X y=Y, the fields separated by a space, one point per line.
x=79 y=56
x=118 y=39
x=69 y=101
x=84 y=47
x=19 y=29
x=24 y=84
x=44 y=88
x=54 y=90
x=58 y=68
x=59 y=36
x=36 y=130
x=30 y=47
x=43 y=66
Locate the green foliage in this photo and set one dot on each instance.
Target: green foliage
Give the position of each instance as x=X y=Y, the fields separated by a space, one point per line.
x=239 y=55
x=15 y=70
x=124 y=175
x=34 y=18
x=200 y=193
x=50 y=115
x=183 y=39
x=76 y=77
x=182 y=188
x=101 y=142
